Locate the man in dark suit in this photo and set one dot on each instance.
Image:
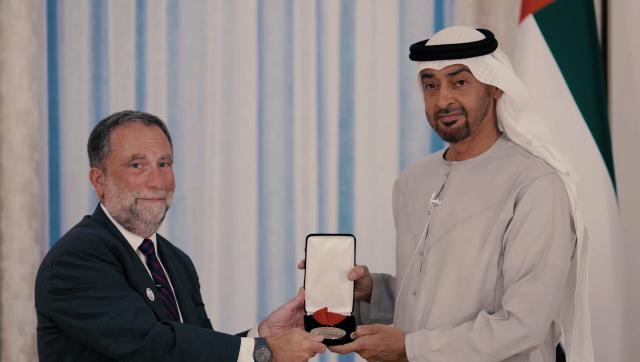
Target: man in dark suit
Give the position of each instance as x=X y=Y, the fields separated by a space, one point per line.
x=113 y=289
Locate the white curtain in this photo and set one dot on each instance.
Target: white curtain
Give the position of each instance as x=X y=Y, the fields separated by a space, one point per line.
x=288 y=118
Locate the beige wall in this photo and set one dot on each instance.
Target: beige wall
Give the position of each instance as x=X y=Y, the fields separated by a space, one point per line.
x=624 y=98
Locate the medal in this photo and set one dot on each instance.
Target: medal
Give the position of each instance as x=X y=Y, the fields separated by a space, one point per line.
x=329 y=332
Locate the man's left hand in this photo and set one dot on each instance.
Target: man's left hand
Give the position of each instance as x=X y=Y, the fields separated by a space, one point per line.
x=376 y=342
x=287 y=316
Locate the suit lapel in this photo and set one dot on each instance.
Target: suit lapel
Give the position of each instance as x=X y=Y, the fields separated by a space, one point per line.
x=179 y=279
x=136 y=272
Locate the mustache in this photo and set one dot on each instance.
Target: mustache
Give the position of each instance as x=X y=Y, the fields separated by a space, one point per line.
x=154 y=195
x=449 y=111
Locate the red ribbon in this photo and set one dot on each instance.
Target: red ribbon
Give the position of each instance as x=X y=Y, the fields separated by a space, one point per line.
x=323 y=316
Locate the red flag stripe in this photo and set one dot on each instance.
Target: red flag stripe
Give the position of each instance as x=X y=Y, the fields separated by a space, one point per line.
x=532 y=6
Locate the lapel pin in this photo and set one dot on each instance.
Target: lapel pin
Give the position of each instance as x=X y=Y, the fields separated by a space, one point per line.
x=150 y=295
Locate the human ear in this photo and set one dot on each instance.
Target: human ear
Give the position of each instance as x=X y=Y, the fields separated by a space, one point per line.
x=496 y=93
x=96 y=177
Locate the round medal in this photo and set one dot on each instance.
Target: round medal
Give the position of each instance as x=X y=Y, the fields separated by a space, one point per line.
x=329 y=332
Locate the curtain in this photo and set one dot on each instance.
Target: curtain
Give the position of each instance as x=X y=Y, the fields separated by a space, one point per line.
x=23 y=192
x=288 y=118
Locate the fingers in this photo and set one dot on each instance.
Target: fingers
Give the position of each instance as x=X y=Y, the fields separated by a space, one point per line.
x=295 y=345
x=315 y=337
x=357 y=272
x=314 y=342
x=354 y=346
x=312 y=347
x=363 y=282
x=318 y=347
x=301 y=264
x=365 y=330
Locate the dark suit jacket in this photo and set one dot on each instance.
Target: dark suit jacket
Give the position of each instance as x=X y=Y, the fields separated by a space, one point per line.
x=92 y=304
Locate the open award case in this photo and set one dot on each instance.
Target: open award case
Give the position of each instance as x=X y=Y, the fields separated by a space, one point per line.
x=328 y=300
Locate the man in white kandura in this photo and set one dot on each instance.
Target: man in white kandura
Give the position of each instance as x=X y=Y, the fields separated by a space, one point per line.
x=491 y=251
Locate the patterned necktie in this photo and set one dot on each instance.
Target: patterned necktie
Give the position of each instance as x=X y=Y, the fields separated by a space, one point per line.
x=161 y=280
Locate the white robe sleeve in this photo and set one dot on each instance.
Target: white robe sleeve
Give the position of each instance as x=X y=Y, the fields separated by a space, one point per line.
x=381 y=308
x=537 y=250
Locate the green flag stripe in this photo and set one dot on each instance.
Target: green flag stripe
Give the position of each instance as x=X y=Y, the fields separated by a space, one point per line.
x=569 y=28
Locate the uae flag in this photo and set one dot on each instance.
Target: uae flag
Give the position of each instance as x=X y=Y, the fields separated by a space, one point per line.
x=559 y=58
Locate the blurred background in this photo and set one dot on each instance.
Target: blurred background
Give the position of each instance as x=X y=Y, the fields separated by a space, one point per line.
x=290 y=117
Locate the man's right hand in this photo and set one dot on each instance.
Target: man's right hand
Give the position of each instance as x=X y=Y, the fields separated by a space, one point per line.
x=362 y=278
x=363 y=282
x=295 y=345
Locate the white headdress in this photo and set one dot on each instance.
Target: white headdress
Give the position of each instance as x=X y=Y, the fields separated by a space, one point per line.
x=517 y=119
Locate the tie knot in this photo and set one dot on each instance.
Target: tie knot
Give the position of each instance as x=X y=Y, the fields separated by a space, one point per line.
x=147 y=248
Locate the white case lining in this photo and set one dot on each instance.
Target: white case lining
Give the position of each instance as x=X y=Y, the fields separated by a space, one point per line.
x=329 y=259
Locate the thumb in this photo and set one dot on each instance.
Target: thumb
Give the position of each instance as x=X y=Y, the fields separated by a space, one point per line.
x=355 y=273
x=298 y=300
x=316 y=337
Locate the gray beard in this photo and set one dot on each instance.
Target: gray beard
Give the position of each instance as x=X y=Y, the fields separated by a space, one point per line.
x=124 y=208
x=138 y=221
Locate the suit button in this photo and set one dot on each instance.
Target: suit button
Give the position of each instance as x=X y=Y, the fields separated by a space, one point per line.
x=414 y=293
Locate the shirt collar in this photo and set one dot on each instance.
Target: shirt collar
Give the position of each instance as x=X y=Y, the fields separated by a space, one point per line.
x=133 y=239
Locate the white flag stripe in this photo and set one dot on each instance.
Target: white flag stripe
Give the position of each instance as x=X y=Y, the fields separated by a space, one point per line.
x=570 y=135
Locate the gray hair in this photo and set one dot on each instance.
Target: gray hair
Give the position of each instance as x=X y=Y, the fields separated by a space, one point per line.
x=98 y=145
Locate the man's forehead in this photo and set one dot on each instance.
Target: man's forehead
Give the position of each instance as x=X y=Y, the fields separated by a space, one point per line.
x=138 y=138
x=450 y=70
x=137 y=130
